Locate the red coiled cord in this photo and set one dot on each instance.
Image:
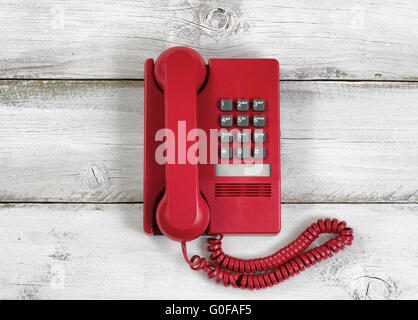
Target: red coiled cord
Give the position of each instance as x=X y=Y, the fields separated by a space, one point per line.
x=285 y=263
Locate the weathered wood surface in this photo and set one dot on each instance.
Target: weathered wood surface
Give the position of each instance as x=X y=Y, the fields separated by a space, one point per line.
x=82 y=141
x=99 y=251
x=112 y=39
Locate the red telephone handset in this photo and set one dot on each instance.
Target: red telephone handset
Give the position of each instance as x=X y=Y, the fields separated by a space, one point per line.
x=182 y=213
x=242 y=197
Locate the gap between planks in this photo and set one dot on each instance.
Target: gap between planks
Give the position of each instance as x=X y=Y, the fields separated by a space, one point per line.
x=142 y=80
x=140 y=202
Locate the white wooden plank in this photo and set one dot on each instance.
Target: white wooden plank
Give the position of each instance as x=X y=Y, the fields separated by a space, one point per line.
x=71 y=141
x=99 y=251
x=350 y=142
x=83 y=141
x=111 y=39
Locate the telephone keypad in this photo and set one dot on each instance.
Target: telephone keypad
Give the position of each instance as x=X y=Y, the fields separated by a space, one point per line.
x=226 y=104
x=226 y=152
x=242 y=152
x=226 y=121
x=259 y=136
x=243 y=120
x=243 y=105
x=259 y=152
x=243 y=136
x=259 y=121
x=252 y=138
x=259 y=105
x=225 y=136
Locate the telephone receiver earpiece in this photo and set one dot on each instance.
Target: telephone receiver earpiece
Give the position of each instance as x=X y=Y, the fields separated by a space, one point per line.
x=182 y=213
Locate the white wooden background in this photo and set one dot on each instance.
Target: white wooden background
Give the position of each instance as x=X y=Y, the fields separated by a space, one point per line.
x=71 y=142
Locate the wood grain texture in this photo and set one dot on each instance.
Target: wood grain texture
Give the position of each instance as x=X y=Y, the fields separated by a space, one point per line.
x=82 y=141
x=99 y=251
x=112 y=39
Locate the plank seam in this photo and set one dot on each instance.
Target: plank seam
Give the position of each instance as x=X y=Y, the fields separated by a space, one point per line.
x=140 y=202
x=142 y=80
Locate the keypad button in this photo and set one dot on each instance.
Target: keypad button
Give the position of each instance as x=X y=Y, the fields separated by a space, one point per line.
x=259 y=121
x=259 y=136
x=259 y=105
x=243 y=120
x=243 y=136
x=242 y=152
x=243 y=105
x=225 y=136
x=226 y=121
x=226 y=104
x=226 y=152
x=259 y=152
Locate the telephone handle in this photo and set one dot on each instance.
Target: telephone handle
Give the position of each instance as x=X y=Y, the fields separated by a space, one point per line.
x=182 y=213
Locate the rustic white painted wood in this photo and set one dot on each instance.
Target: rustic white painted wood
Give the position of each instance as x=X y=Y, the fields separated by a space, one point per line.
x=111 y=39
x=99 y=251
x=82 y=141
x=71 y=141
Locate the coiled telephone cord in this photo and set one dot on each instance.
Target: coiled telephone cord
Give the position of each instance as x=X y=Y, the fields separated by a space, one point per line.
x=261 y=273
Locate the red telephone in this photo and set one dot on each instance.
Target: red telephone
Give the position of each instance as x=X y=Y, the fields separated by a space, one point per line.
x=212 y=164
